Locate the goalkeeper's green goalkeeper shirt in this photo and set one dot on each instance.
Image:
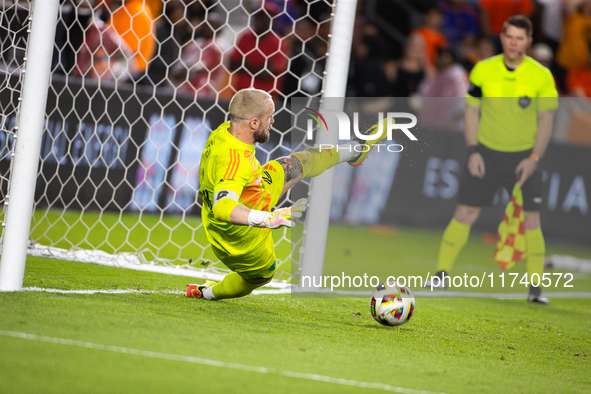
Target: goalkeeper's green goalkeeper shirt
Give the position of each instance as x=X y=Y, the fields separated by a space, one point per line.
x=229 y=165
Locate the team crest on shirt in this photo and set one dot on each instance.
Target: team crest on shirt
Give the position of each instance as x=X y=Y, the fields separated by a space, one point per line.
x=524 y=101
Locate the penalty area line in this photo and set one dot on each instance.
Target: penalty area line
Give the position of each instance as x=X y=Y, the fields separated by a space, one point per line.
x=210 y=362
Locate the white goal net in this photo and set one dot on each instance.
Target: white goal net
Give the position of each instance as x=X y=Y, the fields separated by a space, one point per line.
x=14 y=34
x=136 y=88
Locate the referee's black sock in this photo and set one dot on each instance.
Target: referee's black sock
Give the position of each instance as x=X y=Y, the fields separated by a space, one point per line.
x=535 y=291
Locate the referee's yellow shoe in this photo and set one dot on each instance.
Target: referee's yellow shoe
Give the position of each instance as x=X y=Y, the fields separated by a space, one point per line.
x=368 y=145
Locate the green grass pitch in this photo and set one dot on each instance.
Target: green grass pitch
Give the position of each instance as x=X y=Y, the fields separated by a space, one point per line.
x=155 y=340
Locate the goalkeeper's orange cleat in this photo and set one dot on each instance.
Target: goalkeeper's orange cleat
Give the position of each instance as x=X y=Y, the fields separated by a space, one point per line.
x=369 y=144
x=197 y=290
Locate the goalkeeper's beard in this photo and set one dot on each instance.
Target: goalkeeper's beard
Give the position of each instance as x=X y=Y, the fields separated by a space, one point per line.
x=261 y=135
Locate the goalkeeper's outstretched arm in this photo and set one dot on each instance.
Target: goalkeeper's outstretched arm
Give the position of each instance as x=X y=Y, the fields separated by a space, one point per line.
x=229 y=210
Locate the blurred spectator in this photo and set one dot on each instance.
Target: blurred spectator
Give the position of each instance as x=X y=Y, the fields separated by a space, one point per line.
x=118 y=42
x=359 y=25
x=367 y=77
x=199 y=69
x=430 y=30
x=197 y=11
x=69 y=35
x=573 y=51
x=406 y=74
x=460 y=22
x=133 y=21
x=578 y=81
x=169 y=30
x=287 y=13
x=484 y=48
x=552 y=26
x=396 y=20
x=104 y=55
x=308 y=60
x=494 y=13
x=450 y=78
x=542 y=53
x=450 y=81
x=552 y=22
x=260 y=56
x=13 y=33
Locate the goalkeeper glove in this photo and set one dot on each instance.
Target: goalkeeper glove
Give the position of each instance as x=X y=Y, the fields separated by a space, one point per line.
x=279 y=217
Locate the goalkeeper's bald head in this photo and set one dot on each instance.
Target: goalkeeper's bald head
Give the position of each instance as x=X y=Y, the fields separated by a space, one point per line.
x=249 y=103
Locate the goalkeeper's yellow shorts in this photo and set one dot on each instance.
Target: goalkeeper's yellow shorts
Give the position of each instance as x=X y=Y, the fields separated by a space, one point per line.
x=259 y=261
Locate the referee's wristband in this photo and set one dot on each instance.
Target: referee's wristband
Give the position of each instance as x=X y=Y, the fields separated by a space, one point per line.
x=535 y=157
x=472 y=149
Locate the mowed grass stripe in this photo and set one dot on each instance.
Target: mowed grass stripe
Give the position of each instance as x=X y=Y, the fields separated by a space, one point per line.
x=210 y=362
x=451 y=345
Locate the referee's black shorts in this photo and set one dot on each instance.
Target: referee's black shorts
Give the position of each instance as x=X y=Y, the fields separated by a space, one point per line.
x=500 y=172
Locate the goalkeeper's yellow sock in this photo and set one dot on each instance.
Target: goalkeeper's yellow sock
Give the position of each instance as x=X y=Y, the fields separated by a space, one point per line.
x=536 y=251
x=454 y=238
x=233 y=286
x=317 y=160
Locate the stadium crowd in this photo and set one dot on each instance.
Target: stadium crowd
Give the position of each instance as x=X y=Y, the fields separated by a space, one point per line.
x=400 y=48
x=181 y=43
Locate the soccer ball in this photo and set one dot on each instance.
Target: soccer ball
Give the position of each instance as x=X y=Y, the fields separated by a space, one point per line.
x=392 y=304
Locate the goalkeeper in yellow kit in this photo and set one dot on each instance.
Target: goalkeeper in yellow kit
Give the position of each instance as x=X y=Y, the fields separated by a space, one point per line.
x=238 y=193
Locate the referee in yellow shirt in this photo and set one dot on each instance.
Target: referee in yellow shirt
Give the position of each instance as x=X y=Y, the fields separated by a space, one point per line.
x=508 y=121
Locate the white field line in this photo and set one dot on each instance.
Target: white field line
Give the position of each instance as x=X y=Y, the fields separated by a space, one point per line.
x=212 y=363
x=128 y=291
x=436 y=294
x=327 y=293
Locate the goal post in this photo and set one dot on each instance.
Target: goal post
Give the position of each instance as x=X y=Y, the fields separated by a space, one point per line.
x=27 y=144
x=335 y=84
x=129 y=111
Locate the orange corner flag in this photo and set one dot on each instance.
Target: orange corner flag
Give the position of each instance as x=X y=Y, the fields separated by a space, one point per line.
x=511 y=232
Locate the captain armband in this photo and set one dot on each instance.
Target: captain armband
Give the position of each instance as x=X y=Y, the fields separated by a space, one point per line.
x=224 y=202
